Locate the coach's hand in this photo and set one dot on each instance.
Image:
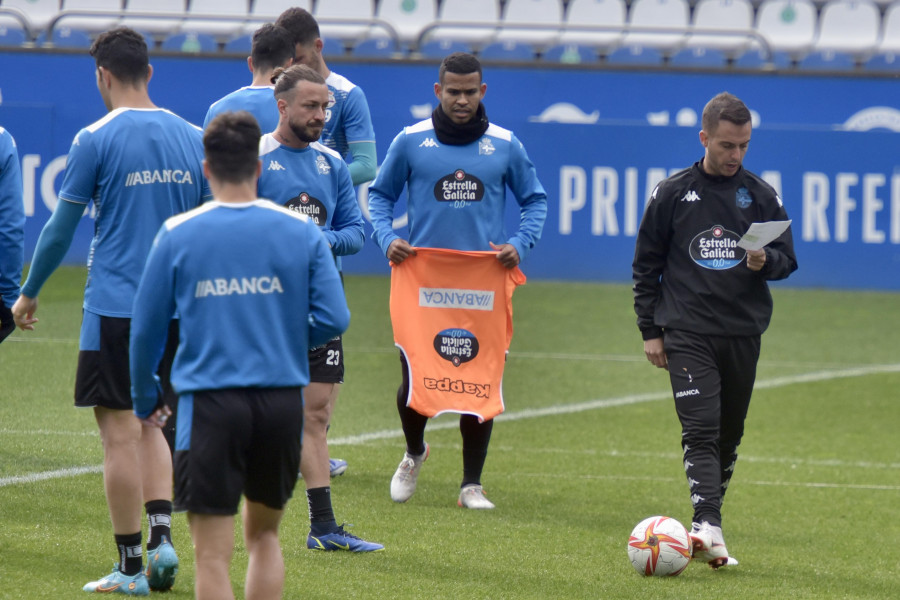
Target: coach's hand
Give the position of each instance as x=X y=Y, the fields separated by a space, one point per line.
x=399 y=250
x=23 y=312
x=653 y=350
x=506 y=254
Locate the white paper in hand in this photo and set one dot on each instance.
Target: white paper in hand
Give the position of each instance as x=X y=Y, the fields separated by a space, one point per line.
x=761 y=234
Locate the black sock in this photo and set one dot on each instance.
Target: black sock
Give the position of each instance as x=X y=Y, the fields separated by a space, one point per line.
x=475 y=437
x=412 y=422
x=321 y=515
x=130 y=555
x=159 y=516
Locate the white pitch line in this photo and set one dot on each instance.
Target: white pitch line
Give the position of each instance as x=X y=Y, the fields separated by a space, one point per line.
x=549 y=411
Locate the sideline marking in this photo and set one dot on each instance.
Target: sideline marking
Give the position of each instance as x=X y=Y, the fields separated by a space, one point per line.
x=544 y=412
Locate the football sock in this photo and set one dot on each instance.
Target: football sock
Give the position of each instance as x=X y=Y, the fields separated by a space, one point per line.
x=412 y=422
x=321 y=515
x=159 y=515
x=130 y=554
x=475 y=437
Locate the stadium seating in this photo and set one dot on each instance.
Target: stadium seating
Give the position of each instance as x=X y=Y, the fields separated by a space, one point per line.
x=88 y=24
x=407 y=18
x=698 y=56
x=544 y=18
x=607 y=16
x=634 y=54
x=644 y=15
x=441 y=48
x=38 y=12
x=158 y=27
x=851 y=27
x=509 y=50
x=330 y=12
x=570 y=54
x=725 y=16
x=190 y=43
x=454 y=11
x=788 y=25
x=222 y=30
x=267 y=11
x=886 y=56
x=377 y=47
x=64 y=37
x=12 y=35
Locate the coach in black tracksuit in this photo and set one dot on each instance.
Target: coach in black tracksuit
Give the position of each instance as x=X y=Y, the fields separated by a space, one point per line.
x=702 y=302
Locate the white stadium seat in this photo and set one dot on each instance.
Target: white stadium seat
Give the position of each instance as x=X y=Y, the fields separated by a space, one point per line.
x=487 y=13
x=362 y=10
x=849 y=26
x=152 y=25
x=91 y=24
x=725 y=15
x=222 y=29
x=603 y=14
x=788 y=25
x=39 y=12
x=546 y=14
x=671 y=14
x=407 y=18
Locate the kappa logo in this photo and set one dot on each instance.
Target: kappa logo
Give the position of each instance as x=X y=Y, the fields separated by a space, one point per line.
x=429 y=143
x=691 y=196
x=275 y=166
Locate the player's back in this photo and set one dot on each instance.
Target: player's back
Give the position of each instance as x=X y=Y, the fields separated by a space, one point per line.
x=259 y=101
x=139 y=167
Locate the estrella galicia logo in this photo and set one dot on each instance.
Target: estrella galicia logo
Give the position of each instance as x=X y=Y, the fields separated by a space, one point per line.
x=456 y=345
x=309 y=206
x=743 y=199
x=459 y=186
x=717 y=248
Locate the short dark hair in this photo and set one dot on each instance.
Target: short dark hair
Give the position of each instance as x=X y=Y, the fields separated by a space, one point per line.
x=724 y=107
x=300 y=24
x=231 y=146
x=123 y=52
x=461 y=63
x=272 y=47
x=286 y=80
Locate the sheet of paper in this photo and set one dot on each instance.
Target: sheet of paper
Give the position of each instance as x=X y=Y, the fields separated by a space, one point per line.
x=761 y=234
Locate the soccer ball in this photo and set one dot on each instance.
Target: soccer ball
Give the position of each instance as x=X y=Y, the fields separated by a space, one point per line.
x=659 y=546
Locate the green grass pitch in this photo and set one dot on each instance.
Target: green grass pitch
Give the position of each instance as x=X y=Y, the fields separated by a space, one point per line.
x=588 y=446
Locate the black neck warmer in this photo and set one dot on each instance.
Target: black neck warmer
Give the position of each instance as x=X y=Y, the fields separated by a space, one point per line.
x=455 y=134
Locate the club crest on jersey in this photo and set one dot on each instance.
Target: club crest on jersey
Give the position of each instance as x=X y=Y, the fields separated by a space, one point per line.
x=743 y=199
x=309 y=206
x=717 y=249
x=322 y=165
x=456 y=345
x=459 y=187
x=485 y=146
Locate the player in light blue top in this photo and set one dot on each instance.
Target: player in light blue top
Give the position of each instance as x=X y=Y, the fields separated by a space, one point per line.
x=348 y=124
x=456 y=168
x=306 y=177
x=272 y=48
x=139 y=165
x=223 y=267
x=12 y=230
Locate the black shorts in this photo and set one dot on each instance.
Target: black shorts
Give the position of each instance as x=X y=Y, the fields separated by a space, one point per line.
x=326 y=363
x=237 y=441
x=103 y=377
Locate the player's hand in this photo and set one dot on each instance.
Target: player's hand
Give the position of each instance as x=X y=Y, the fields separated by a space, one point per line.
x=23 y=312
x=653 y=350
x=756 y=259
x=506 y=254
x=158 y=418
x=7 y=323
x=399 y=250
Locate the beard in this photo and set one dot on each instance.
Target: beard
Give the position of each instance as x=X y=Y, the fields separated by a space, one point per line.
x=305 y=133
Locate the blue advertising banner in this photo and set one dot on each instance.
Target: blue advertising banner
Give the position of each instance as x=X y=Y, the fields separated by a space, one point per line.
x=600 y=141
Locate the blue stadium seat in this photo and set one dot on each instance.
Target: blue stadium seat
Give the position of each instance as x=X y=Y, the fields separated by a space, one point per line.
x=756 y=59
x=242 y=44
x=377 y=47
x=698 y=56
x=332 y=47
x=508 y=50
x=883 y=62
x=11 y=36
x=570 y=54
x=443 y=47
x=827 y=60
x=63 y=37
x=190 y=43
x=635 y=55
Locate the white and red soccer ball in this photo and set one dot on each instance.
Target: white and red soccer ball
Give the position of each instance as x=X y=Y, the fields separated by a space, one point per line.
x=659 y=546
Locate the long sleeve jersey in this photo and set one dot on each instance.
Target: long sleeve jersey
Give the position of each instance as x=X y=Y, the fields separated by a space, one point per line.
x=688 y=271
x=255 y=287
x=456 y=193
x=12 y=220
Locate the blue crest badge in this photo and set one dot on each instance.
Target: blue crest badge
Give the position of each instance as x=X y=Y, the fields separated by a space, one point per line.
x=743 y=198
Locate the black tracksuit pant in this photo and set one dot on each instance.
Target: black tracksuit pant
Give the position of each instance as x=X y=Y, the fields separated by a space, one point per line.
x=712 y=380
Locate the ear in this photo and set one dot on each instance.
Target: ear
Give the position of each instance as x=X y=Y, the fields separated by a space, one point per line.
x=259 y=168
x=250 y=63
x=206 y=169
x=483 y=89
x=149 y=73
x=319 y=45
x=704 y=139
x=437 y=90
